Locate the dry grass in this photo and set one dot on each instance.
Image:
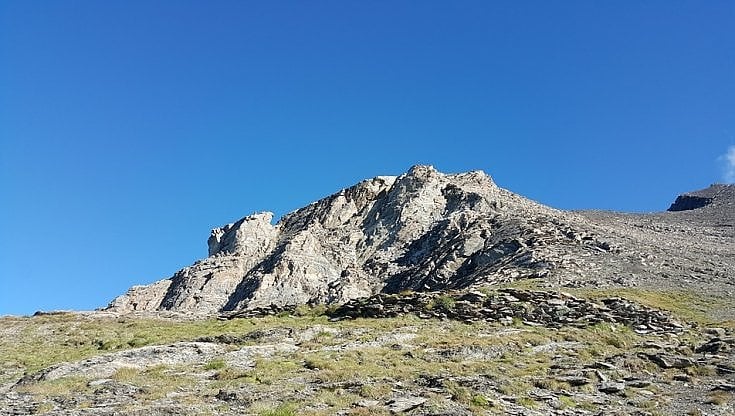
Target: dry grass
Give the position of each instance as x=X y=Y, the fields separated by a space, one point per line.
x=719 y=398
x=684 y=305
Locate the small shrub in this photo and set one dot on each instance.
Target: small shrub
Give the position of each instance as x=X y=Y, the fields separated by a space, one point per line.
x=315 y=363
x=138 y=342
x=126 y=373
x=312 y=311
x=567 y=401
x=103 y=344
x=229 y=373
x=647 y=404
x=322 y=337
x=446 y=301
x=527 y=402
x=374 y=391
x=442 y=301
x=614 y=342
x=550 y=384
x=589 y=406
x=702 y=370
x=459 y=394
x=216 y=364
x=479 y=401
x=487 y=290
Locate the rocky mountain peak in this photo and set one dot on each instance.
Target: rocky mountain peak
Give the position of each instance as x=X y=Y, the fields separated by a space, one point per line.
x=240 y=236
x=422 y=231
x=421 y=171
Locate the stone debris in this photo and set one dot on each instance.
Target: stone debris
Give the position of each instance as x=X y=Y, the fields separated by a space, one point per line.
x=547 y=308
x=612 y=387
x=367 y=403
x=724 y=387
x=717 y=345
x=665 y=360
x=574 y=380
x=261 y=311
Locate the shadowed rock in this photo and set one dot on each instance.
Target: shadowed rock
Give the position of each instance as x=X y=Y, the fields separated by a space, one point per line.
x=723 y=194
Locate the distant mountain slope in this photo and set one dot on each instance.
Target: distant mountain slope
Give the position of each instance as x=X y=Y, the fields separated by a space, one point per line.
x=425 y=231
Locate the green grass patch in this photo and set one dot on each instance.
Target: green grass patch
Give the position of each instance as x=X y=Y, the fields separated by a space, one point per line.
x=216 y=364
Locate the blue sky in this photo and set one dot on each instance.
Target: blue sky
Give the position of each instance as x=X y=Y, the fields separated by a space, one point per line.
x=129 y=129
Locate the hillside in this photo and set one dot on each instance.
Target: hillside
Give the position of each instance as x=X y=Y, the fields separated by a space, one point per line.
x=422 y=294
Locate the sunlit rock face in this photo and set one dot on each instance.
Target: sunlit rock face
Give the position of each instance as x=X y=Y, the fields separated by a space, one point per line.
x=422 y=231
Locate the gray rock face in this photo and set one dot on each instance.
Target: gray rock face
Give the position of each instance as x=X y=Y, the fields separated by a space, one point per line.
x=422 y=231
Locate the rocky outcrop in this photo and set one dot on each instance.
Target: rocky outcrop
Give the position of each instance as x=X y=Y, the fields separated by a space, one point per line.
x=420 y=231
x=141 y=298
x=543 y=308
x=105 y=366
x=723 y=194
x=688 y=202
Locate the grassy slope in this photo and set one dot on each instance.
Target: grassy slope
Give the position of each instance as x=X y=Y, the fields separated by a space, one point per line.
x=507 y=358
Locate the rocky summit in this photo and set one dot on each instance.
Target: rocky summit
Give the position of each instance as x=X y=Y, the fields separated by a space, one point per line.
x=429 y=231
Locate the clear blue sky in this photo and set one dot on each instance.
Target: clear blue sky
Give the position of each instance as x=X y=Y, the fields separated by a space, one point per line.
x=129 y=129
